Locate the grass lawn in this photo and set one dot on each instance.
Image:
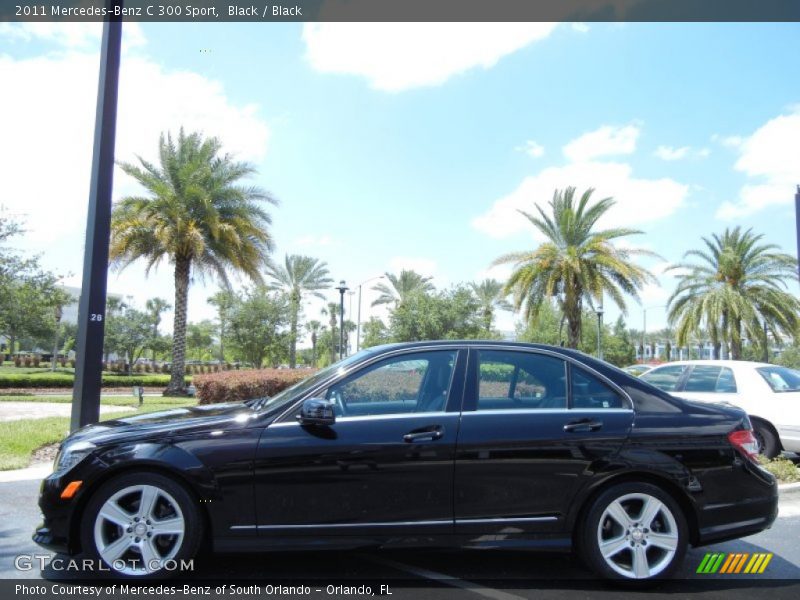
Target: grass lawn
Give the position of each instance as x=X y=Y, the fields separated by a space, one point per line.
x=18 y=439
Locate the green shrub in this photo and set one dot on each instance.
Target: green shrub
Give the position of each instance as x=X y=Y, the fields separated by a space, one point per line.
x=785 y=470
x=66 y=380
x=235 y=386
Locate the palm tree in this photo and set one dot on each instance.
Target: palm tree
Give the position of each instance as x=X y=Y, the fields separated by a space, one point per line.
x=154 y=307
x=736 y=287
x=297 y=276
x=400 y=287
x=576 y=263
x=314 y=327
x=198 y=217
x=223 y=301
x=489 y=293
x=332 y=311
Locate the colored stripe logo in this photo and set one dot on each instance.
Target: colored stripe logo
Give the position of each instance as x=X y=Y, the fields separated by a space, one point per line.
x=734 y=563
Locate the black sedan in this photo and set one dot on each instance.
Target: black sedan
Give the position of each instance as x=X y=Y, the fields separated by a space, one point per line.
x=467 y=444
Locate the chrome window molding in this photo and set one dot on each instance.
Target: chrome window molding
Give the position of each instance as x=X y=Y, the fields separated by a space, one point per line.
x=357 y=418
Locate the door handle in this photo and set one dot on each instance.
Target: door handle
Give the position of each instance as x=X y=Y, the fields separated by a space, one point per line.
x=429 y=434
x=583 y=426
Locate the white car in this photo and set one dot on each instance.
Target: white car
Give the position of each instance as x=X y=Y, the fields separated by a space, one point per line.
x=770 y=394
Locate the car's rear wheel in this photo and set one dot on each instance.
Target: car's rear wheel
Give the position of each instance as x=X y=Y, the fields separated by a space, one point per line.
x=767 y=441
x=141 y=524
x=634 y=532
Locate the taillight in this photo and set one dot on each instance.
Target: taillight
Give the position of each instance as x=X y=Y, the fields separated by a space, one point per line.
x=744 y=440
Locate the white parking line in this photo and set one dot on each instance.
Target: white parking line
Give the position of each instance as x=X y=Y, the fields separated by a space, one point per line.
x=446 y=579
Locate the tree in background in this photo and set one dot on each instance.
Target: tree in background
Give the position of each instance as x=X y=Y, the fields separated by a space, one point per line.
x=128 y=331
x=200 y=339
x=154 y=308
x=331 y=341
x=258 y=322
x=489 y=294
x=453 y=314
x=297 y=277
x=375 y=333
x=223 y=301
x=198 y=216
x=736 y=285
x=30 y=295
x=314 y=327
x=401 y=286
x=576 y=264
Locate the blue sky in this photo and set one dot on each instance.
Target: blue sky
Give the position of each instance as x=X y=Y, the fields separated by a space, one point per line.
x=413 y=145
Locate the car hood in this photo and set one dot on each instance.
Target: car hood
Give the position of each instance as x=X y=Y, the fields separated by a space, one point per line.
x=177 y=421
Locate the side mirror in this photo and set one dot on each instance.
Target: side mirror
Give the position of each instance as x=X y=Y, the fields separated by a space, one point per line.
x=316 y=411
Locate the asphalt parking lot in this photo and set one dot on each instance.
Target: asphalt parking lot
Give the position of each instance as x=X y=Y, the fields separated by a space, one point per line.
x=434 y=574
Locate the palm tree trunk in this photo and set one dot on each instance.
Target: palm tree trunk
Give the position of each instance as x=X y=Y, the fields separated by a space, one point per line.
x=573 y=331
x=177 y=386
x=295 y=308
x=736 y=340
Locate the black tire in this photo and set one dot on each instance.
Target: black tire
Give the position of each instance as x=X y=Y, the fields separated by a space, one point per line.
x=767 y=440
x=646 y=540
x=170 y=548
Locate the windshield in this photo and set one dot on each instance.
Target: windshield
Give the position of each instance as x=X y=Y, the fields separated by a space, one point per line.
x=306 y=384
x=781 y=379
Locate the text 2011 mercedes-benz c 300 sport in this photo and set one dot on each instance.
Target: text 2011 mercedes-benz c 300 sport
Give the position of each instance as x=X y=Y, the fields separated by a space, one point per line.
x=467 y=444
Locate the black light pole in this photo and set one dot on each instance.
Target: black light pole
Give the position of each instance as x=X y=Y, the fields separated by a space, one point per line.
x=92 y=303
x=342 y=289
x=600 y=332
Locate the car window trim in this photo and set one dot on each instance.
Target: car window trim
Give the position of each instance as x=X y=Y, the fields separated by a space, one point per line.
x=286 y=415
x=474 y=367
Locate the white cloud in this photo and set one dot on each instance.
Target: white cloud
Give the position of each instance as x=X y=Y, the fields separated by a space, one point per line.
x=580 y=27
x=608 y=140
x=399 y=56
x=56 y=96
x=638 y=201
x=770 y=158
x=728 y=141
x=70 y=35
x=670 y=153
x=47 y=159
x=532 y=149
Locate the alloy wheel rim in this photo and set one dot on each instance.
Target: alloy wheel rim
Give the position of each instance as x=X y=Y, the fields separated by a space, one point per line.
x=637 y=536
x=138 y=529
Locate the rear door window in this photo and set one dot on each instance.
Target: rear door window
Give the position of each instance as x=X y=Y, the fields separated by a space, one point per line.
x=665 y=378
x=710 y=379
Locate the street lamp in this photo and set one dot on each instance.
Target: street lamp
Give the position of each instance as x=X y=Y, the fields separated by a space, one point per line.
x=599 y=312
x=358 y=326
x=342 y=289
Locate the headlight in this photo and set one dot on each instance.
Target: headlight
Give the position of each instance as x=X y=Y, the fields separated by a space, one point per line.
x=71 y=454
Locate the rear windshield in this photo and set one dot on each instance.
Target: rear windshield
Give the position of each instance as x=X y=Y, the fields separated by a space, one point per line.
x=781 y=379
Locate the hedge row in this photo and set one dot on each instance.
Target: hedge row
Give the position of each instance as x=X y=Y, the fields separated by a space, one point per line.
x=236 y=386
x=67 y=380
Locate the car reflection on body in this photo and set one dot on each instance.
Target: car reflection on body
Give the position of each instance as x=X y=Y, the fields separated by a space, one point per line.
x=770 y=394
x=465 y=444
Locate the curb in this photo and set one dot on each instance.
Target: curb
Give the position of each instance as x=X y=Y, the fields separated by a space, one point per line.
x=38 y=471
x=789 y=489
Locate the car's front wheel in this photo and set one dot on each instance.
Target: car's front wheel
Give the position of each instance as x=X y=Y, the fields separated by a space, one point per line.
x=635 y=532
x=141 y=524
